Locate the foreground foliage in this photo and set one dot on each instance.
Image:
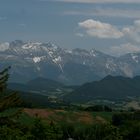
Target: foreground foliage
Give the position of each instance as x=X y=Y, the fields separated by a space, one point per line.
x=15 y=125
x=42 y=130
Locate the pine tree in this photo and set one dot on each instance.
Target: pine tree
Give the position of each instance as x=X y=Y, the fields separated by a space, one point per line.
x=8 y=99
x=4 y=75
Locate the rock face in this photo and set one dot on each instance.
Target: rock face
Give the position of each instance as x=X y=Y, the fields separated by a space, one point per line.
x=30 y=60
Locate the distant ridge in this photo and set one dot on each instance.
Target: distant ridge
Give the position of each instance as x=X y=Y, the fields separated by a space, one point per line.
x=44 y=84
x=110 y=87
x=39 y=84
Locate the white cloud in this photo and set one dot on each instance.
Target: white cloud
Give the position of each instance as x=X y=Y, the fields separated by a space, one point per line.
x=99 y=29
x=97 y=1
x=123 y=49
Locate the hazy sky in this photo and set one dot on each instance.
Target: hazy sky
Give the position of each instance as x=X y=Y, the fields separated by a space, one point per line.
x=112 y=26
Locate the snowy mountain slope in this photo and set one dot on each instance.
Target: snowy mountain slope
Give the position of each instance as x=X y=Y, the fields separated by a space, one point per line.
x=30 y=60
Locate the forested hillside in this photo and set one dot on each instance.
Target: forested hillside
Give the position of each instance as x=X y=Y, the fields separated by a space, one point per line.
x=110 y=87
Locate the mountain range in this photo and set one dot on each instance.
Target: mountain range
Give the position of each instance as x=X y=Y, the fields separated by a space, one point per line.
x=74 y=67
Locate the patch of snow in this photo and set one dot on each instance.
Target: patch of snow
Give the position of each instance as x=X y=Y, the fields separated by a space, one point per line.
x=38 y=59
x=50 y=53
x=58 y=59
x=135 y=58
x=61 y=67
x=26 y=46
x=107 y=66
x=93 y=52
x=31 y=45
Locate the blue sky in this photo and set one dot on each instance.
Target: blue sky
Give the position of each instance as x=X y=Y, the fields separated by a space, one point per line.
x=112 y=26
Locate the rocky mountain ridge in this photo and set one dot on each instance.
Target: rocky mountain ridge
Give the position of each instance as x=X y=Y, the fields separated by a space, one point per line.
x=30 y=60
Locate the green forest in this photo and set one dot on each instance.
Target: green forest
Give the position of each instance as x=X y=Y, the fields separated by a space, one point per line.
x=20 y=121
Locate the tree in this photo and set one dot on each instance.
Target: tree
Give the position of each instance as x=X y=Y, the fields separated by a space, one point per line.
x=8 y=99
x=4 y=75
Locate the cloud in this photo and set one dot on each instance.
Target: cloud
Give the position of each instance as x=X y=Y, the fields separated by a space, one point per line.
x=4 y=46
x=133 y=32
x=131 y=35
x=106 y=12
x=123 y=49
x=97 y=1
x=99 y=29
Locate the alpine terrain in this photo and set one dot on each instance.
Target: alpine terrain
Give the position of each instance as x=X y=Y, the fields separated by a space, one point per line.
x=31 y=60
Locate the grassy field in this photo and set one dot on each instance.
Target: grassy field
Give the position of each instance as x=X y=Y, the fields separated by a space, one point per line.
x=63 y=116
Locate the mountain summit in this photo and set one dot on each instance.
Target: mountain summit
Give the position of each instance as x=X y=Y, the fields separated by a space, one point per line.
x=30 y=60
